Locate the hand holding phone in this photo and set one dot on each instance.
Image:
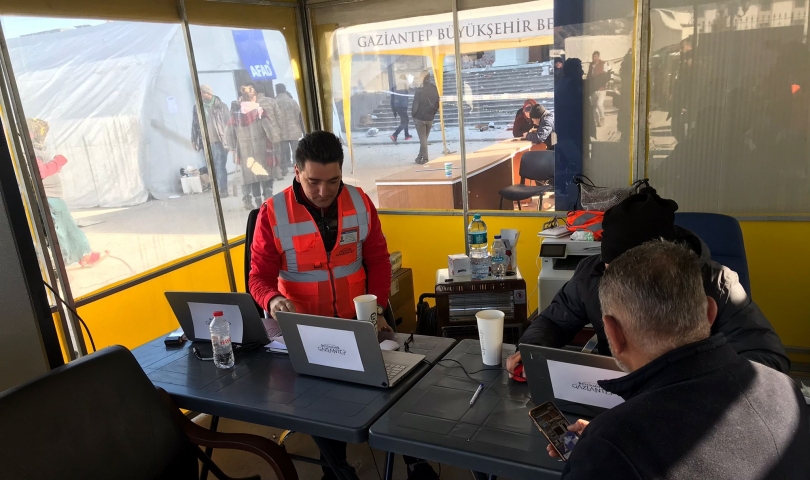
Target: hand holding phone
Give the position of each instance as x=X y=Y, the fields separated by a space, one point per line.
x=561 y=435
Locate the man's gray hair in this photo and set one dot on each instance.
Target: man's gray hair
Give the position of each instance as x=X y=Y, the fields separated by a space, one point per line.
x=655 y=292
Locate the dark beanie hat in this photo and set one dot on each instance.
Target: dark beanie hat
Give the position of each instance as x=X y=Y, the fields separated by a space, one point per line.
x=537 y=111
x=636 y=220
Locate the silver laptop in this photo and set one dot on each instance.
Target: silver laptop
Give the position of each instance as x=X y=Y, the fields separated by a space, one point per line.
x=569 y=379
x=342 y=350
x=195 y=309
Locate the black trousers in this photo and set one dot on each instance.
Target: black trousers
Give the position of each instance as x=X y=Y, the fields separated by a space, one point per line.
x=403 y=121
x=338 y=449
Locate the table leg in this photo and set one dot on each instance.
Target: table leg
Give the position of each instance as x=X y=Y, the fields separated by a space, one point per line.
x=389 y=466
x=209 y=451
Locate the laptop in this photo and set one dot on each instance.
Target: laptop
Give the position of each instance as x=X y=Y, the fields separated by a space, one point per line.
x=341 y=349
x=569 y=379
x=194 y=311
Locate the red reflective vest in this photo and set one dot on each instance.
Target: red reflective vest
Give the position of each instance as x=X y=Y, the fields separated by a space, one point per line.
x=317 y=282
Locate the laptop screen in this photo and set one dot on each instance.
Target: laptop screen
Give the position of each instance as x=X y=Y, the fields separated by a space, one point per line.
x=578 y=383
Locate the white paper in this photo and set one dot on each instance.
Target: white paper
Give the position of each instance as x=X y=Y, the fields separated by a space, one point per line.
x=278 y=344
x=171 y=104
x=577 y=383
x=331 y=347
x=202 y=313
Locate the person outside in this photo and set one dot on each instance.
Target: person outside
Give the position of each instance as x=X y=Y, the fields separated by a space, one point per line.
x=400 y=99
x=291 y=127
x=251 y=136
x=558 y=70
x=73 y=243
x=216 y=119
x=640 y=218
x=523 y=121
x=693 y=406
x=598 y=77
x=320 y=271
x=685 y=97
x=542 y=126
x=424 y=109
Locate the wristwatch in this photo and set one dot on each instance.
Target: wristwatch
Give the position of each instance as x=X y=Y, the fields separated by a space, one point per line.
x=380 y=310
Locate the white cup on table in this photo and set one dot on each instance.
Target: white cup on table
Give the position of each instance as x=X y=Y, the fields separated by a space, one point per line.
x=490 y=332
x=366 y=308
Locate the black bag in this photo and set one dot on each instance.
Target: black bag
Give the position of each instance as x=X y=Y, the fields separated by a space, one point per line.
x=599 y=199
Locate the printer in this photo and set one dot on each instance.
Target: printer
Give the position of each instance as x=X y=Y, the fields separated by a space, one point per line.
x=560 y=257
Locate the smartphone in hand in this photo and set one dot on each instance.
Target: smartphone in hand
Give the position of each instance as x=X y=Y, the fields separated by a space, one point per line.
x=554 y=426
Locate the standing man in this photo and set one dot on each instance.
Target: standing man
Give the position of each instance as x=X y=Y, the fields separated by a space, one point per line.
x=251 y=137
x=425 y=107
x=399 y=107
x=598 y=77
x=317 y=245
x=216 y=118
x=291 y=127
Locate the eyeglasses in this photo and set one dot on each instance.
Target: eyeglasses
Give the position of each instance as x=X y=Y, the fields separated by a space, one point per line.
x=527 y=108
x=408 y=342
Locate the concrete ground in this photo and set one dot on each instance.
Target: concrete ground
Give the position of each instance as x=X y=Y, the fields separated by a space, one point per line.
x=241 y=464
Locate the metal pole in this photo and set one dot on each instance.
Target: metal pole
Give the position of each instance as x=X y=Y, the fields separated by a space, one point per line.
x=41 y=212
x=640 y=85
x=461 y=139
x=309 y=67
x=209 y=160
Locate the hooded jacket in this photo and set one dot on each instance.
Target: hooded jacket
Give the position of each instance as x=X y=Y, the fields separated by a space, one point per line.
x=747 y=330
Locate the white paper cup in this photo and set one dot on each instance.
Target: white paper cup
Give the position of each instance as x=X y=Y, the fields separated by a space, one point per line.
x=366 y=308
x=490 y=332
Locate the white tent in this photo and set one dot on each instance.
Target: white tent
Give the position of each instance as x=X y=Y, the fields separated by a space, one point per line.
x=119 y=101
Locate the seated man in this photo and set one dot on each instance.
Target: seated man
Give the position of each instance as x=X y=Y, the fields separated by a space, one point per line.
x=638 y=219
x=694 y=408
x=542 y=126
x=317 y=245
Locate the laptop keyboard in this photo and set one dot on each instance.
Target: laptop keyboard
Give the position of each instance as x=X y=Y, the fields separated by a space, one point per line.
x=393 y=369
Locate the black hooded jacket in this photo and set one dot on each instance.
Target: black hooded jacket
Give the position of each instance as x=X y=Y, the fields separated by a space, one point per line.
x=747 y=330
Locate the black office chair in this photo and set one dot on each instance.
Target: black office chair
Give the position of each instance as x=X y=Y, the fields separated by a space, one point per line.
x=388 y=313
x=100 y=417
x=536 y=166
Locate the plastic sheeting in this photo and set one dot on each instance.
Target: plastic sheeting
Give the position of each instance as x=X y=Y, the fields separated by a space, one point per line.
x=117 y=109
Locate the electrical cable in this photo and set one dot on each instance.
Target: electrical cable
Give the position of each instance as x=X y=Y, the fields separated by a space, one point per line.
x=74 y=312
x=376 y=467
x=472 y=373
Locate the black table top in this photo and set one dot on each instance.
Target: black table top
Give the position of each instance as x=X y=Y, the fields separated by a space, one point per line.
x=264 y=389
x=434 y=420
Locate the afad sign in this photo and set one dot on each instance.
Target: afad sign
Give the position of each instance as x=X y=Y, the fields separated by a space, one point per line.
x=252 y=50
x=513 y=26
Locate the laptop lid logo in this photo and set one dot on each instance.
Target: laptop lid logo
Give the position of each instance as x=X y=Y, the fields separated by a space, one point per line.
x=327 y=348
x=578 y=383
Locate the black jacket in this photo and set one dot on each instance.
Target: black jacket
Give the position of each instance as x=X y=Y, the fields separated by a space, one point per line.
x=748 y=331
x=425 y=102
x=699 y=411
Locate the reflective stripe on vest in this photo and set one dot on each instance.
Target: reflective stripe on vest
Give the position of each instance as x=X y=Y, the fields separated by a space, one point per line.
x=349 y=269
x=583 y=219
x=362 y=215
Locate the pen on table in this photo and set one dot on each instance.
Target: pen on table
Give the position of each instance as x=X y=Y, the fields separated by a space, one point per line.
x=477 y=392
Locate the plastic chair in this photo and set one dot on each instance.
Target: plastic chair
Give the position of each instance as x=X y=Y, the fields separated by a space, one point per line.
x=100 y=417
x=723 y=235
x=537 y=166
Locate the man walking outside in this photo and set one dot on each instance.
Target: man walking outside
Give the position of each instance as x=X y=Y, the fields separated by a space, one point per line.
x=425 y=106
x=598 y=77
x=216 y=118
x=290 y=125
x=399 y=106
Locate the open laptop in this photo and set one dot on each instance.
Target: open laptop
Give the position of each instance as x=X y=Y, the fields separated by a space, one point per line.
x=569 y=379
x=342 y=350
x=194 y=311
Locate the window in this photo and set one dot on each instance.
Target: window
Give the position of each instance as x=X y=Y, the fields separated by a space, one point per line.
x=229 y=60
x=107 y=105
x=728 y=115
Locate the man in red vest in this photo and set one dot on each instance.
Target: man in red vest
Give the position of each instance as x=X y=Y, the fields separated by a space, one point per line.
x=317 y=245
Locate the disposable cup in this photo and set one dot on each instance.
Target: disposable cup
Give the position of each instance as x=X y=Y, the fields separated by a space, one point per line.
x=366 y=308
x=448 y=169
x=490 y=332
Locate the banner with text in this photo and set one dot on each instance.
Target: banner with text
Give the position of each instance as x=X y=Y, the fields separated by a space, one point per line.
x=489 y=29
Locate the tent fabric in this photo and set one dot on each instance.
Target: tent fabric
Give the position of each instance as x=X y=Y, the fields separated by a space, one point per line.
x=92 y=85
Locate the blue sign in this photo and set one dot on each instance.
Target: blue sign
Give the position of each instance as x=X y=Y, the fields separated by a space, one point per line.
x=253 y=52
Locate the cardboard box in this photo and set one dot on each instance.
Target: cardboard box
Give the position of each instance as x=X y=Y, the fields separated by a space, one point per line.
x=458 y=265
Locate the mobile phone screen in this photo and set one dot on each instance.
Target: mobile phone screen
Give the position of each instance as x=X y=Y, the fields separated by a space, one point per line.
x=553 y=424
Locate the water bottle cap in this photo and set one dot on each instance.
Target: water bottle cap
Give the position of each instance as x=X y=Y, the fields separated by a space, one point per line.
x=476 y=216
x=218 y=314
x=497 y=237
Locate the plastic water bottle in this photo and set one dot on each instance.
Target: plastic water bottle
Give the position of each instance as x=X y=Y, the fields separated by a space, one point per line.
x=479 y=256
x=498 y=257
x=221 y=341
